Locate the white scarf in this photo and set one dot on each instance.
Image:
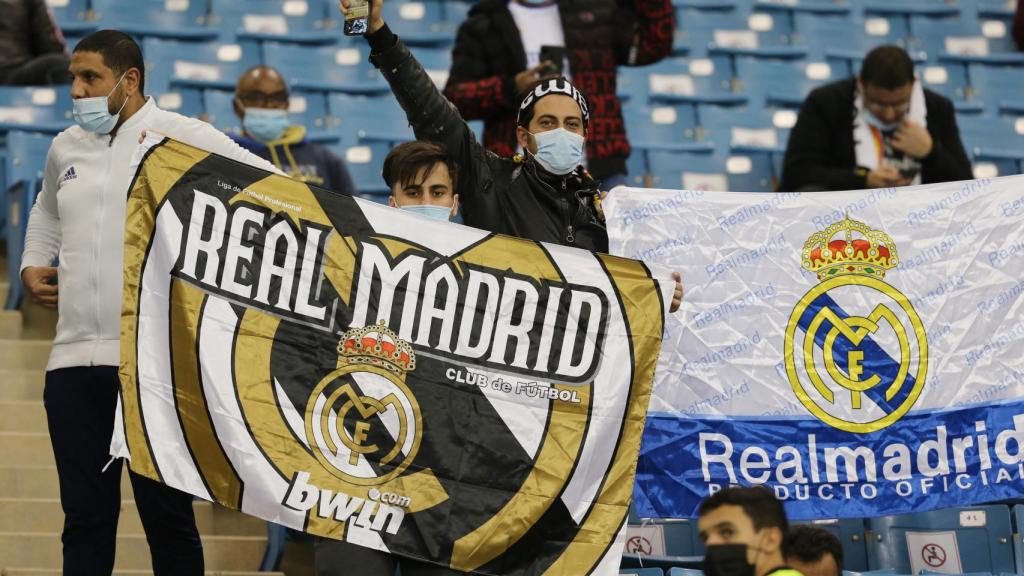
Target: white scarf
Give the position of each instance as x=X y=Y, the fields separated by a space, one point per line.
x=864 y=145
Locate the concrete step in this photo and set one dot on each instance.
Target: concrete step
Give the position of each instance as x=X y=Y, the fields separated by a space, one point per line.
x=43 y=550
x=46 y=515
x=25 y=449
x=22 y=416
x=45 y=572
x=22 y=384
x=10 y=320
x=40 y=482
x=24 y=354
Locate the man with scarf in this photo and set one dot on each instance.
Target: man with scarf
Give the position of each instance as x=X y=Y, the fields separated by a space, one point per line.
x=879 y=130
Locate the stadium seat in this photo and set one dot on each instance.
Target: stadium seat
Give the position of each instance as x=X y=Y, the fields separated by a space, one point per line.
x=632 y=562
x=851 y=535
x=685 y=572
x=73 y=17
x=994 y=85
x=758 y=34
x=437 y=62
x=837 y=40
x=702 y=170
x=779 y=83
x=420 y=23
x=678 y=80
x=997 y=141
x=326 y=68
x=364 y=163
x=367 y=119
x=175 y=67
x=180 y=19
x=948 y=79
x=642 y=572
x=290 y=21
x=661 y=127
x=680 y=535
x=961 y=37
x=983 y=536
x=24 y=162
x=755 y=134
x=220 y=111
x=36 y=109
x=1018 y=537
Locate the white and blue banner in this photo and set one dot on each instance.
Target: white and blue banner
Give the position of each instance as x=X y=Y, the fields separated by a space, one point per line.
x=860 y=353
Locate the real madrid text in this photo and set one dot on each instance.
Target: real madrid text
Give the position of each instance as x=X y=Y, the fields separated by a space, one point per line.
x=468 y=314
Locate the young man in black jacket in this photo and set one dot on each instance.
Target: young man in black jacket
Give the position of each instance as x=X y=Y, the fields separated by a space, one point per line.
x=879 y=130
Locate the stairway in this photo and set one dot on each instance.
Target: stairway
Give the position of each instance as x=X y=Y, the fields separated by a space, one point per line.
x=30 y=511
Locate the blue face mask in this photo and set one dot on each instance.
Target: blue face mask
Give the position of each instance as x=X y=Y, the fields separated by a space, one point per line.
x=559 y=151
x=93 y=114
x=875 y=121
x=442 y=213
x=265 y=124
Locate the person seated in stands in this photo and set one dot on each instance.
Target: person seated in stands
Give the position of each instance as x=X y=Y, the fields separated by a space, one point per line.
x=261 y=102
x=743 y=529
x=813 y=551
x=878 y=130
x=32 y=50
x=545 y=195
x=422 y=180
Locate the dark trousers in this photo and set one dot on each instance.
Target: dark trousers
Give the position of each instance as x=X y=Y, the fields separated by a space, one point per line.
x=47 y=69
x=80 y=404
x=336 y=558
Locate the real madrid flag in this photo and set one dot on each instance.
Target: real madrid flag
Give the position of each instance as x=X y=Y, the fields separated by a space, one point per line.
x=363 y=374
x=860 y=353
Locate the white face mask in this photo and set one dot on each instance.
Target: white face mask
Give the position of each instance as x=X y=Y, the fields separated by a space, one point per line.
x=93 y=114
x=558 y=151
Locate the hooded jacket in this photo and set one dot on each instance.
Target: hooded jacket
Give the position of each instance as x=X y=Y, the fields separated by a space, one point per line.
x=505 y=195
x=305 y=161
x=599 y=35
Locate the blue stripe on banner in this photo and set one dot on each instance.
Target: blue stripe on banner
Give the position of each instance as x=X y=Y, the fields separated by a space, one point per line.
x=925 y=461
x=876 y=360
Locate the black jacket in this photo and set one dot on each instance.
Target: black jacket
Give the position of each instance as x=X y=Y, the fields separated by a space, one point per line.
x=599 y=36
x=821 y=148
x=26 y=31
x=502 y=195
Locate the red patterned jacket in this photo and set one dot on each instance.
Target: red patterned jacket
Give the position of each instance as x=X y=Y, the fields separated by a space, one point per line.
x=599 y=35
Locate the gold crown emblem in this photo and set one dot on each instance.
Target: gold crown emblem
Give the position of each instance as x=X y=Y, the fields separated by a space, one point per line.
x=870 y=254
x=377 y=346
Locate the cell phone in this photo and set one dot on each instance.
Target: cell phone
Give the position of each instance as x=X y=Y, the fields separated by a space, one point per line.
x=556 y=56
x=356 y=17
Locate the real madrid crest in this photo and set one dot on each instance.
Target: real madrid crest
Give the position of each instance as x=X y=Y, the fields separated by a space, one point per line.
x=362 y=420
x=856 y=351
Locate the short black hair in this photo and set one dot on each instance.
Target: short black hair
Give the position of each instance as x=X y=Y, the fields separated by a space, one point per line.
x=406 y=160
x=888 y=67
x=120 y=52
x=757 y=502
x=811 y=543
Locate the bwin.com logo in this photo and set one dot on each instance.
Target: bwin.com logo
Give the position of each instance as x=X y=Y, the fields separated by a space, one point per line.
x=856 y=352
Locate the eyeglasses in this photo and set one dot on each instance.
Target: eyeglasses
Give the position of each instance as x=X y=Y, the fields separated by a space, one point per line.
x=264 y=100
x=878 y=107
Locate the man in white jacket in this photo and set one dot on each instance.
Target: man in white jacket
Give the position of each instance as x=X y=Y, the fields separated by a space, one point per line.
x=79 y=217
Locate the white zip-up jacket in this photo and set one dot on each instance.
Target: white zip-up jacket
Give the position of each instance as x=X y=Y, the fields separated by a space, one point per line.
x=79 y=217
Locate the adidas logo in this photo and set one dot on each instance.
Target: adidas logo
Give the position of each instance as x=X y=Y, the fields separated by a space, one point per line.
x=69 y=175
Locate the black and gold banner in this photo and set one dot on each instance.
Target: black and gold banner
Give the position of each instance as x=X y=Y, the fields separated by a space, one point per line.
x=350 y=370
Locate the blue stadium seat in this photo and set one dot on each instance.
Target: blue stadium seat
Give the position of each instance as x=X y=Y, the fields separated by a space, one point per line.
x=758 y=34
x=779 y=83
x=701 y=170
x=38 y=109
x=368 y=119
x=681 y=536
x=851 y=535
x=220 y=111
x=420 y=23
x=72 y=17
x=678 y=80
x=984 y=543
x=685 y=572
x=364 y=163
x=326 y=68
x=948 y=79
x=180 y=19
x=176 y=66
x=24 y=162
x=642 y=572
x=837 y=40
x=661 y=127
x=755 y=140
x=997 y=141
x=437 y=62
x=291 y=21
x=994 y=85
x=632 y=562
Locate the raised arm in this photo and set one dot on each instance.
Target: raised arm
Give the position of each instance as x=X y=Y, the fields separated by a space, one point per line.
x=432 y=116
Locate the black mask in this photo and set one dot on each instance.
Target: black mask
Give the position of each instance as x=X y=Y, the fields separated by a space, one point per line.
x=727 y=560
